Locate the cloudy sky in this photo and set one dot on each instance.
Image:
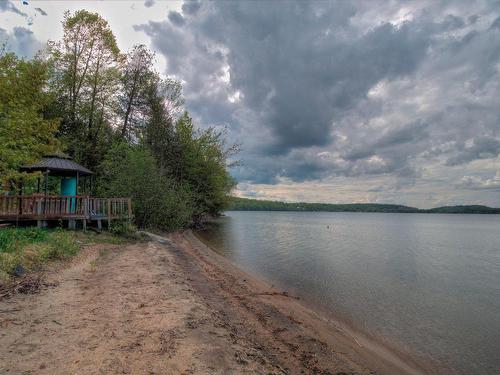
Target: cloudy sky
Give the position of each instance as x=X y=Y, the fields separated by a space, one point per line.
x=332 y=101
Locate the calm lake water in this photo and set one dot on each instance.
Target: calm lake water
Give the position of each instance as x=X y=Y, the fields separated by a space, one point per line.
x=429 y=284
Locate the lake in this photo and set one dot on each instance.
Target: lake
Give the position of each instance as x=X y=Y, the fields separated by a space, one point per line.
x=428 y=284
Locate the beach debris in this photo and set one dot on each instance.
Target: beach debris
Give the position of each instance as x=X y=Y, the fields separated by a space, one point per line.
x=26 y=285
x=284 y=294
x=19 y=270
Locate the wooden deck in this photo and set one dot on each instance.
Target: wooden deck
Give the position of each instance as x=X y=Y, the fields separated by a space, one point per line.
x=43 y=208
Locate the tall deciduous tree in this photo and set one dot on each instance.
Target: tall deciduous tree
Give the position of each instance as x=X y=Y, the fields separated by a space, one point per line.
x=136 y=77
x=24 y=133
x=85 y=76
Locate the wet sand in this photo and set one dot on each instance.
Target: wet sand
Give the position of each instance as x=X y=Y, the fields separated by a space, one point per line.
x=174 y=306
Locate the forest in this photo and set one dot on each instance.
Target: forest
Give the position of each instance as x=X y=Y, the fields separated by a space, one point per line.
x=113 y=113
x=244 y=204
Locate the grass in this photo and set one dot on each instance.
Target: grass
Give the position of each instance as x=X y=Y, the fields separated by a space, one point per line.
x=26 y=249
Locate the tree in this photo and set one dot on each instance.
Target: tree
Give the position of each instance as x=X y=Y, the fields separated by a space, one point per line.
x=120 y=118
x=158 y=134
x=24 y=132
x=202 y=165
x=85 y=76
x=131 y=171
x=136 y=78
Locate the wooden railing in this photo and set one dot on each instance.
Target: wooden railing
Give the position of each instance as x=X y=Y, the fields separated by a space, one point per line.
x=55 y=207
x=110 y=207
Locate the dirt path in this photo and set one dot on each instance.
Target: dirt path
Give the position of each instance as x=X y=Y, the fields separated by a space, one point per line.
x=169 y=306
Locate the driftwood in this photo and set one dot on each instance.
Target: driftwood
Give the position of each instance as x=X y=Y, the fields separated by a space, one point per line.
x=25 y=285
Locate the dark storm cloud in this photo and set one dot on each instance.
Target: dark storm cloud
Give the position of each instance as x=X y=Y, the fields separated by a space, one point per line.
x=41 y=11
x=319 y=89
x=408 y=133
x=149 y=3
x=496 y=23
x=481 y=148
x=176 y=18
x=8 y=6
x=300 y=65
x=191 y=7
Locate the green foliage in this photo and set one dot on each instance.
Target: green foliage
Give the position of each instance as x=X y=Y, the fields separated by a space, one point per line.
x=30 y=247
x=244 y=204
x=120 y=119
x=473 y=209
x=13 y=239
x=201 y=165
x=85 y=77
x=136 y=78
x=25 y=133
x=120 y=227
x=131 y=171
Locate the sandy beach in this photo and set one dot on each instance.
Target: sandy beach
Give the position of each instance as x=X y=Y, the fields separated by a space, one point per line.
x=173 y=306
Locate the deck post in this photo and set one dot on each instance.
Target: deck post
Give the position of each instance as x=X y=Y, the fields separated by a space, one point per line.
x=39 y=207
x=109 y=213
x=42 y=223
x=129 y=206
x=71 y=224
x=86 y=209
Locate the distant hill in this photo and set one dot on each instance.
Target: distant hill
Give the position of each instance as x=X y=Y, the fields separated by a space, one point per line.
x=244 y=204
x=473 y=209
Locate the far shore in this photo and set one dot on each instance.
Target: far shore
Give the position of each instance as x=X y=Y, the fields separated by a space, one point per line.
x=173 y=306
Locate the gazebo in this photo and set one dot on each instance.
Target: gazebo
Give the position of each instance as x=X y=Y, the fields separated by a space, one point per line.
x=61 y=166
x=74 y=202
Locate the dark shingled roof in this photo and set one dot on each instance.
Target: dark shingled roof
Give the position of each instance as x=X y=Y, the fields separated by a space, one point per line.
x=59 y=165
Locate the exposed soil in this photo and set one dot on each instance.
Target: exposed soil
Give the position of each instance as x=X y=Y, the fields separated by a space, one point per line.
x=171 y=306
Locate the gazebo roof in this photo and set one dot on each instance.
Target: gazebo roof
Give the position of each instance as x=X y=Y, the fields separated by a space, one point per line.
x=58 y=165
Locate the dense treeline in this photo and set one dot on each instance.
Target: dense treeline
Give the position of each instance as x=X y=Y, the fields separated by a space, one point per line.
x=243 y=204
x=114 y=114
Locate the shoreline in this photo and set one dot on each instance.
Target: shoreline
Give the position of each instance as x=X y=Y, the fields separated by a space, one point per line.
x=379 y=346
x=173 y=305
x=378 y=355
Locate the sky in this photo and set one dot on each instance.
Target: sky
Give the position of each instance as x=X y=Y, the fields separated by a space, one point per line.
x=331 y=101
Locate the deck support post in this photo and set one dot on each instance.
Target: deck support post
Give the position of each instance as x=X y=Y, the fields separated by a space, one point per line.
x=71 y=224
x=41 y=223
x=99 y=224
x=84 y=224
x=109 y=214
x=129 y=211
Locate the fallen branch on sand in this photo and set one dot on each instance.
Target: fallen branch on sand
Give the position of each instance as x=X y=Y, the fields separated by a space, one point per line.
x=284 y=294
x=26 y=285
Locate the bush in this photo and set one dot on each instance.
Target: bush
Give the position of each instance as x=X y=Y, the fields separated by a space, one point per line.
x=131 y=171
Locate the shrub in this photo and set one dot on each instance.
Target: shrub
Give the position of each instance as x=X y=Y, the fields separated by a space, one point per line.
x=131 y=171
